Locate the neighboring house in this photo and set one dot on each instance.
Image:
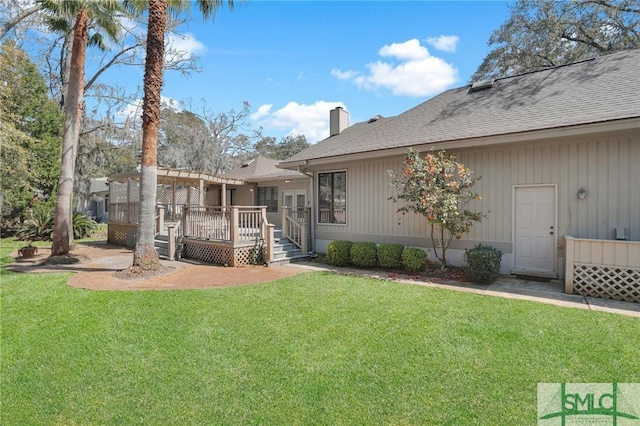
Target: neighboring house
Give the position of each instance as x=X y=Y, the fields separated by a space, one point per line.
x=96 y=205
x=267 y=185
x=558 y=151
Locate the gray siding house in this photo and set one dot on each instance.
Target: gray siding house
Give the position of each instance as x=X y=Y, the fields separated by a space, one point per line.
x=559 y=155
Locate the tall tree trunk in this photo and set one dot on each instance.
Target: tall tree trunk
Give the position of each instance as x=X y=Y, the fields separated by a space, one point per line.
x=66 y=55
x=63 y=223
x=145 y=254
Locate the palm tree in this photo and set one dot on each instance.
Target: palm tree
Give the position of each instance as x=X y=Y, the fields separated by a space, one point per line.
x=102 y=14
x=145 y=254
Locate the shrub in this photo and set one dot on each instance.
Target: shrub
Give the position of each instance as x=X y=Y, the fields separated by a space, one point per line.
x=338 y=252
x=83 y=227
x=482 y=264
x=364 y=254
x=390 y=255
x=413 y=259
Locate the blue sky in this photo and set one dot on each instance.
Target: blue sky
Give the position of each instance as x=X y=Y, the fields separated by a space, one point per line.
x=293 y=61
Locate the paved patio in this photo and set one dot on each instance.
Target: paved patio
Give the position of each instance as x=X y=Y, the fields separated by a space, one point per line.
x=101 y=260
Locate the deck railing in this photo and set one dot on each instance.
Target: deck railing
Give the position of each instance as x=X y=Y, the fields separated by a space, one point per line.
x=123 y=212
x=295 y=226
x=234 y=224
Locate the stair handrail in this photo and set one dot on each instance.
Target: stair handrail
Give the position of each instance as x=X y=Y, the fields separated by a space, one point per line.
x=294 y=229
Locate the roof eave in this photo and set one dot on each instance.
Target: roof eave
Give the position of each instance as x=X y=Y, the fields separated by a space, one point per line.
x=631 y=123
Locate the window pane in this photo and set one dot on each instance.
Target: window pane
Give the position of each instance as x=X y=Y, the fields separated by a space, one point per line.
x=332 y=197
x=268 y=196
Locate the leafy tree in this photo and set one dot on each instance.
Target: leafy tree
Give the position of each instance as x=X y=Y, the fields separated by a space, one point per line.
x=205 y=141
x=287 y=147
x=145 y=253
x=103 y=15
x=547 y=33
x=439 y=188
x=30 y=132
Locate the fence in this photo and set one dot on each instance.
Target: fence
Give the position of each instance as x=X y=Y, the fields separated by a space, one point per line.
x=608 y=269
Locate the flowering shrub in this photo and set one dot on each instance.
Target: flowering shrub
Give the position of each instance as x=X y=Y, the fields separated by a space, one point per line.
x=439 y=188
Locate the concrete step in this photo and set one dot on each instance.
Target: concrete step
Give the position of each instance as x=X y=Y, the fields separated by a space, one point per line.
x=287 y=260
x=283 y=247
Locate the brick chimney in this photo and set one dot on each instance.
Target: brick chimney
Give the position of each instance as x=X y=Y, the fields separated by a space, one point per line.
x=338 y=121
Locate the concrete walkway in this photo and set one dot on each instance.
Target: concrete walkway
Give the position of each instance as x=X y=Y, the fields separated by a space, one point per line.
x=101 y=260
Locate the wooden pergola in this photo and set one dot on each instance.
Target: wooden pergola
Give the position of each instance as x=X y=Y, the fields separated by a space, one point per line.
x=172 y=178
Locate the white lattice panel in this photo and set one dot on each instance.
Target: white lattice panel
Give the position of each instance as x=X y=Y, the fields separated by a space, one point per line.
x=224 y=254
x=212 y=197
x=607 y=282
x=123 y=235
x=209 y=252
x=117 y=192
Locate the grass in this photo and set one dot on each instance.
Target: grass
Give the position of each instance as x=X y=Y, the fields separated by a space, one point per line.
x=312 y=349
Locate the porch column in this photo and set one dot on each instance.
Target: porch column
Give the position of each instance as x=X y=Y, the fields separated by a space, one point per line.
x=189 y=195
x=235 y=225
x=223 y=195
x=173 y=201
x=201 y=193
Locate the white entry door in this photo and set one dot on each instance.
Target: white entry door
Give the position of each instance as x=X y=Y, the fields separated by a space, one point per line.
x=535 y=230
x=294 y=199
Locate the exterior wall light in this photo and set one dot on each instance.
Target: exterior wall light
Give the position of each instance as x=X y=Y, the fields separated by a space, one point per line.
x=287 y=181
x=582 y=194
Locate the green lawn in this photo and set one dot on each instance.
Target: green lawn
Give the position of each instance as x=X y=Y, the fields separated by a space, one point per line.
x=312 y=349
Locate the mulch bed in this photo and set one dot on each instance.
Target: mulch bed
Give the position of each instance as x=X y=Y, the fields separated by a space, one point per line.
x=435 y=275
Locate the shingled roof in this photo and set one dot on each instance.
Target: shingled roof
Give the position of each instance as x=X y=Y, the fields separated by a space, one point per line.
x=598 y=90
x=261 y=168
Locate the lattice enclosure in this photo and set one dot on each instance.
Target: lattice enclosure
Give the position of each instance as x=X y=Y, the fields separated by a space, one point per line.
x=223 y=253
x=122 y=235
x=212 y=197
x=164 y=194
x=607 y=282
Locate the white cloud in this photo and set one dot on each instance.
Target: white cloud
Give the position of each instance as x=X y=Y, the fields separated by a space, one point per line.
x=343 y=75
x=444 y=43
x=410 y=50
x=294 y=118
x=186 y=43
x=414 y=73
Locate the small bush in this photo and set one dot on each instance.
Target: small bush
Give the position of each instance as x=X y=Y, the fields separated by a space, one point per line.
x=413 y=259
x=364 y=255
x=338 y=252
x=482 y=264
x=390 y=255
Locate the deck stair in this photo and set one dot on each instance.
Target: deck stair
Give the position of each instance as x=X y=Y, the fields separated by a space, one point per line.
x=161 y=243
x=284 y=251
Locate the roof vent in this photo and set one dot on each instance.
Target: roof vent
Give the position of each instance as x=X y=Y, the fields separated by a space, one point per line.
x=482 y=85
x=375 y=118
